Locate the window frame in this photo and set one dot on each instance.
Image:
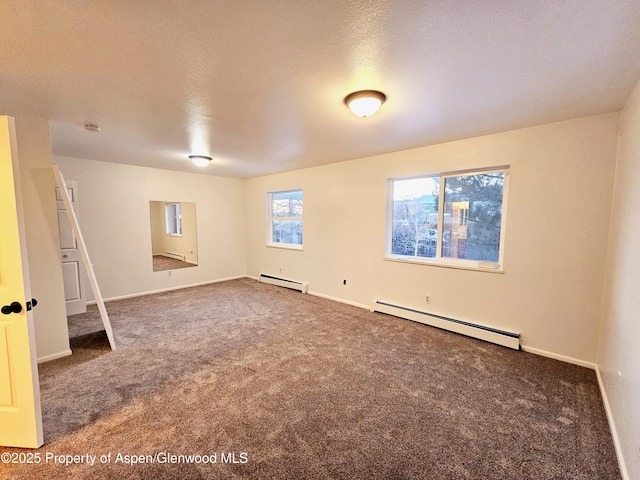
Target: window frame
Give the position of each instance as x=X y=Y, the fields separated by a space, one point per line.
x=271 y=218
x=176 y=216
x=439 y=260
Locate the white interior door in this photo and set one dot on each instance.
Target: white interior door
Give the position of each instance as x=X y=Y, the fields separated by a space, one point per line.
x=72 y=271
x=20 y=414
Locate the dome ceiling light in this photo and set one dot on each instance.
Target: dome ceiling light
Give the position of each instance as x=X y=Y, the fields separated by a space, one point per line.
x=365 y=103
x=200 y=160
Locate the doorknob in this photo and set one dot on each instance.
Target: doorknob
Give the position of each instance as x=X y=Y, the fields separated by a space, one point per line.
x=15 y=307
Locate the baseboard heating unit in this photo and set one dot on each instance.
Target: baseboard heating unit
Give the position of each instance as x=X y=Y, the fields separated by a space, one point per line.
x=493 y=335
x=283 y=282
x=177 y=256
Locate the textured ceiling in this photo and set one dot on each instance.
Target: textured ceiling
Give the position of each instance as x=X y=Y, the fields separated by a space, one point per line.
x=258 y=85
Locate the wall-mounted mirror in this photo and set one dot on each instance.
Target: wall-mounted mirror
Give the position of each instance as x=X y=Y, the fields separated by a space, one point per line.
x=173 y=235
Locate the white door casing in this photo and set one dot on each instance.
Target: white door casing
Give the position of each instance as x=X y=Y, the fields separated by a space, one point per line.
x=20 y=413
x=72 y=272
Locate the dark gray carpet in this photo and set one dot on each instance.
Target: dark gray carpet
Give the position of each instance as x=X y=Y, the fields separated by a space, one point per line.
x=300 y=387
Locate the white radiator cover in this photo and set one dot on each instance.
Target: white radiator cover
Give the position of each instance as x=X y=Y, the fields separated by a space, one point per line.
x=283 y=282
x=493 y=335
x=175 y=255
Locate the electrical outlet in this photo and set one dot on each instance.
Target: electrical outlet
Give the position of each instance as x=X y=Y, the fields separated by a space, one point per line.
x=427 y=299
x=344 y=282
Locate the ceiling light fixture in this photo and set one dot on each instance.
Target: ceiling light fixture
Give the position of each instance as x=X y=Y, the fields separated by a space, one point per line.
x=365 y=102
x=200 y=160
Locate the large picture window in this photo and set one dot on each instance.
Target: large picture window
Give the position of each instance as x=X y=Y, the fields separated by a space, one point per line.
x=285 y=219
x=451 y=219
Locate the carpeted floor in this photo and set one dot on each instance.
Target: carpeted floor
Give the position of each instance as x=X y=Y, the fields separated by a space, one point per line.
x=161 y=263
x=262 y=382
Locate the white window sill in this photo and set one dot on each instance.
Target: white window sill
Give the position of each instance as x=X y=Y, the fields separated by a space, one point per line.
x=286 y=246
x=460 y=265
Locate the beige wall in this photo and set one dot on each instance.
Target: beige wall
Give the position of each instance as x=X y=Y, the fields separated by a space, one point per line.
x=556 y=237
x=43 y=244
x=116 y=225
x=158 y=232
x=619 y=349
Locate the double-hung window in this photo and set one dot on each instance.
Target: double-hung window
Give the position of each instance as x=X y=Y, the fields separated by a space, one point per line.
x=284 y=215
x=173 y=218
x=454 y=219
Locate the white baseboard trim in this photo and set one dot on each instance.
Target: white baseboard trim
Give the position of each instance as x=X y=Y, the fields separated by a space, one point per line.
x=54 y=356
x=536 y=351
x=612 y=427
x=328 y=297
x=557 y=356
x=340 y=300
x=168 y=289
